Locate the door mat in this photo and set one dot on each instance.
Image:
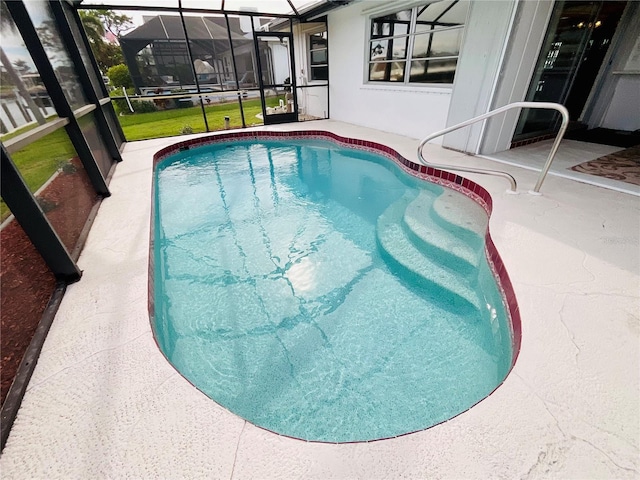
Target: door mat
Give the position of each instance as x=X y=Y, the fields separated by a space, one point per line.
x=623 y=165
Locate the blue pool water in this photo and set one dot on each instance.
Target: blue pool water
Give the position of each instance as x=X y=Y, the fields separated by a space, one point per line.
x=321 y=292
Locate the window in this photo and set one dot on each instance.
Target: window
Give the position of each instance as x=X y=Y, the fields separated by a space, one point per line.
x=318 y=62
x=418 y=45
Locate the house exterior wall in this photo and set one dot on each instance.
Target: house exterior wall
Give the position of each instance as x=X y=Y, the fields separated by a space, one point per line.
x=501 y=43
x=523 y=45
x=413 y=111
x=486 y=32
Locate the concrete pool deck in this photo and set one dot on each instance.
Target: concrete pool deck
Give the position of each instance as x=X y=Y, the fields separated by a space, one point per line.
x=104 y=403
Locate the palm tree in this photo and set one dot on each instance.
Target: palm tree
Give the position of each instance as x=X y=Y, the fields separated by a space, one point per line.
x=16 y=80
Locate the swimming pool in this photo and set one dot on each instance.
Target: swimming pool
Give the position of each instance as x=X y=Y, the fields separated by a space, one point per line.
x=322 y=292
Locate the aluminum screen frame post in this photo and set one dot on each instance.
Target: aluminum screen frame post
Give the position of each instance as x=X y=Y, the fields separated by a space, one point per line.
x=39 y=56
x=83 y=75
x=29 y=215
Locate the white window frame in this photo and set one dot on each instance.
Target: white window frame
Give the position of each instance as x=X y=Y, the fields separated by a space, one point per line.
x=411 y=35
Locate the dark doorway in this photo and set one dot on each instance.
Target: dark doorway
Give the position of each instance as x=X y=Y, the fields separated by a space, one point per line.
x=577 y=40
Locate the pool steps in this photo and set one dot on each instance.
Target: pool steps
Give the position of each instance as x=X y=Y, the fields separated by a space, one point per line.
x=435 y=237
x=466 y=219
x=436 y=242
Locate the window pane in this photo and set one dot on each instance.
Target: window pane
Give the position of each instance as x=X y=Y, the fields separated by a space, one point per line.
x=386 y=29
x=439 y=44
x=320 y=73
x=380 y=49
x=380 y=29
x=388 y=71
x=433 y=71
x=318 y=40
x=402 y=16
x=50 y=166
x=51 y=39
x=441 y=14
x=457 y=14
x=389 y=25
x=96 y=144
x=24 y=102
x=319 y=56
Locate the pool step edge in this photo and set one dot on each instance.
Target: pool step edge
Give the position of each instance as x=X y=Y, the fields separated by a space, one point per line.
x=460 y=253
x=397 y=247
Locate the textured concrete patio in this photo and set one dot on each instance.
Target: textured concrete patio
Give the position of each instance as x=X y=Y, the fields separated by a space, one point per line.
x=104 y=403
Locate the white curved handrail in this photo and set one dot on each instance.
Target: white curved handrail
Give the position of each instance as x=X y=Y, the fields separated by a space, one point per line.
x=543 y=173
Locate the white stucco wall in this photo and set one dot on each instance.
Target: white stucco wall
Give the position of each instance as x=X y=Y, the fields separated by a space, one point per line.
x=413 y=111
x=481 y=54
x=314 y=101
x=624 y=109
x=522 y=48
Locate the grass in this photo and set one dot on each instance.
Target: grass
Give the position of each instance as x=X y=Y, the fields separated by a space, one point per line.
x=38 y=161
x=26 y=128
x=167 y=123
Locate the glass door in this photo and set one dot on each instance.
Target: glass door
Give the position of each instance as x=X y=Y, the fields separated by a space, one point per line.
x=577 y=39
x=274 y=54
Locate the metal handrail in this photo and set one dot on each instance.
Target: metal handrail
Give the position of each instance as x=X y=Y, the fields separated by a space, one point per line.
x=484 y=171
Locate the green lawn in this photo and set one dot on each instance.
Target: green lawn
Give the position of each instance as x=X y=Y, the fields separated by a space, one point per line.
x=21 y=130
x=39 y=160
x=167 y=123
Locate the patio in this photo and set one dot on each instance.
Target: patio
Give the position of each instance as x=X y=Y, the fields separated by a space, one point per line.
x=104 y=403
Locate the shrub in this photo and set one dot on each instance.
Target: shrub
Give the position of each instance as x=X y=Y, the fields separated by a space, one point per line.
x=119 y=76
x=139 y=106
x=143 y=106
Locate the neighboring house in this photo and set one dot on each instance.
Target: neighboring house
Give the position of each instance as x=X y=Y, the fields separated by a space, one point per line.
x=157 y=55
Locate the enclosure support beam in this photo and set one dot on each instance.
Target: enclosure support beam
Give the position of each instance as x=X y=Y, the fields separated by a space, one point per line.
x=33 y=221
x=193 y=68
x=235 y=67
x=31 y=40
x=85 y=79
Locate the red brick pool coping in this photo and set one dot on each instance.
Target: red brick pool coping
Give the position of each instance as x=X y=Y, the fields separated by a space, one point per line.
x=463 y=185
